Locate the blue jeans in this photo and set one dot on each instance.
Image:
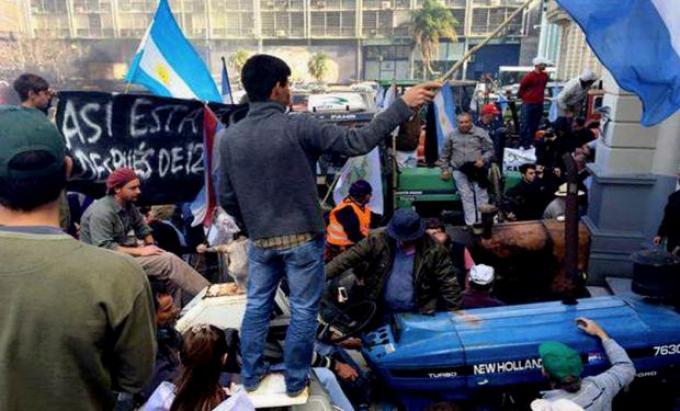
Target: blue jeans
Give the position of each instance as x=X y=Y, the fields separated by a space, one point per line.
x=331 y=384
x=531 y=119
x=359 y=390
x=304 y=270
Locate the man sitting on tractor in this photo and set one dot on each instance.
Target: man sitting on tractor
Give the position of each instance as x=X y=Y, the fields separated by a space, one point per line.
x=401 y=268
x=350 y=221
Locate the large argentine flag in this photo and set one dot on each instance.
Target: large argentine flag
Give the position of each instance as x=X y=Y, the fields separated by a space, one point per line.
x=168 y=65
x=445 y=113
x=639 y=43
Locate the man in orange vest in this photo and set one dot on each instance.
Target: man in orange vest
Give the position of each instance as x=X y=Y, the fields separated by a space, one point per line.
x=351 y=220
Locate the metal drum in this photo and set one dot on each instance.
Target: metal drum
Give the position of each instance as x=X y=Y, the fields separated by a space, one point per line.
x=656 y=274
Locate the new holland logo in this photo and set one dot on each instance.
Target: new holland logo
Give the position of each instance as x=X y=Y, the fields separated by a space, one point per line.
x=507 y=366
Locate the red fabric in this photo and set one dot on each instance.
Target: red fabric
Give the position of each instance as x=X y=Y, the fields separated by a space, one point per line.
x=120 y=177
x=210 y=128
x=532 y=87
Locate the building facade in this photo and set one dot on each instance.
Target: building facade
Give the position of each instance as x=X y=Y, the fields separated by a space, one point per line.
x=565 y=43
x=367 y=38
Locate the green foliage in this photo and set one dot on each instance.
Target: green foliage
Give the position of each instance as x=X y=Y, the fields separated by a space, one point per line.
x=238 y=59
x=319 y=66
x=432 y=23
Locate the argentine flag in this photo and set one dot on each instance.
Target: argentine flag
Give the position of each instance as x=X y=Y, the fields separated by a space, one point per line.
x=167 y=64
x=445 y=113
x=639 y=43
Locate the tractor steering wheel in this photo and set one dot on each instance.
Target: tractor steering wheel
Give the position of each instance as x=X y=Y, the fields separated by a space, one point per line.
x=347 y=322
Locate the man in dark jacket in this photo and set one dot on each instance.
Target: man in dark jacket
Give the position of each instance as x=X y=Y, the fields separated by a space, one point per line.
x=526 y=200
x=670 y=225
x=267 y=183
x=401 y=268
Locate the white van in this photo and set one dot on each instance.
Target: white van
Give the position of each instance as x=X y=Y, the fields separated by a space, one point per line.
x=338 y=102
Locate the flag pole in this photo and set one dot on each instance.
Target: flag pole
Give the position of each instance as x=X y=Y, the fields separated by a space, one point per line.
x=395 y=171
x=226 y=77
x=331 y=188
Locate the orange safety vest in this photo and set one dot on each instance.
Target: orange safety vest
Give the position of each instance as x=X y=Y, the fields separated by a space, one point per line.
x=335 y=233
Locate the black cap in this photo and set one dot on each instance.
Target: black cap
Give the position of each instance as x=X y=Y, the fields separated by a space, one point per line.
x=406 y=225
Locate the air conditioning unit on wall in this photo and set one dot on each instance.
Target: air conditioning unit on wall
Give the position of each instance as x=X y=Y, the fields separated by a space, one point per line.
x=386 y=5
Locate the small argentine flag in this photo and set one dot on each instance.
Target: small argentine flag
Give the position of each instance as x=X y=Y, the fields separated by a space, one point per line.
x=168 y=65
x=445 y=113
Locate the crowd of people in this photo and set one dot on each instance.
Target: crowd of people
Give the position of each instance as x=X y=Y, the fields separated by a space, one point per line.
x=88 y=316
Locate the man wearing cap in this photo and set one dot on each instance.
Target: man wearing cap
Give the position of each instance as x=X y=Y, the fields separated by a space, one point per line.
x=351 y=220
x=77 y=321
x=478 y=293
x=491 y=121
x=558 y=206
x=532 y=93
x=562 y=366
x=571 y=98
x=109 y=220
x=402 y=269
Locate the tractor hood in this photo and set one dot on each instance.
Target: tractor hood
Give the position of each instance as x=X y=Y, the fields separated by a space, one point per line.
x=496 y=347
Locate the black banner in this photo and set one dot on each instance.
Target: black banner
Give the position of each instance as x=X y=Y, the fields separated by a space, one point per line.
x=161 y=138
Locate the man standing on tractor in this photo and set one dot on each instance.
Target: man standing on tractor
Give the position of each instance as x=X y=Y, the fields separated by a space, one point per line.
x=532 y=93
x=350 y=221
x=491 y=121
x=571 y=98
x=468 y=151
x=266 y=182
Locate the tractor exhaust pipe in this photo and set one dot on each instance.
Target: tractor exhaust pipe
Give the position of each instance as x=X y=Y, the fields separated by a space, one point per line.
x=571 y=230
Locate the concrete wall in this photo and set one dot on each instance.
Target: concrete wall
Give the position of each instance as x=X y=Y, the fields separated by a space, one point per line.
x=634 y=172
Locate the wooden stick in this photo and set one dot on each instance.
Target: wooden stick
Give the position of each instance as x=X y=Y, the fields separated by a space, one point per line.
x=332 y=187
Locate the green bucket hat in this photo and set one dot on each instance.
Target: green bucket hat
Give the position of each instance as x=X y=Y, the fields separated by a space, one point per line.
x=560 y=361
x=23 y=130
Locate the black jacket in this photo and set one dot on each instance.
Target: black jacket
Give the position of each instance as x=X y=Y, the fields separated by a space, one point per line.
x=670 y=225
x=526 y=200
x=436 y=286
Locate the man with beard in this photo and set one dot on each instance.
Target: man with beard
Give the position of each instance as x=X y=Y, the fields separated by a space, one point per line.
x=107 y=222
